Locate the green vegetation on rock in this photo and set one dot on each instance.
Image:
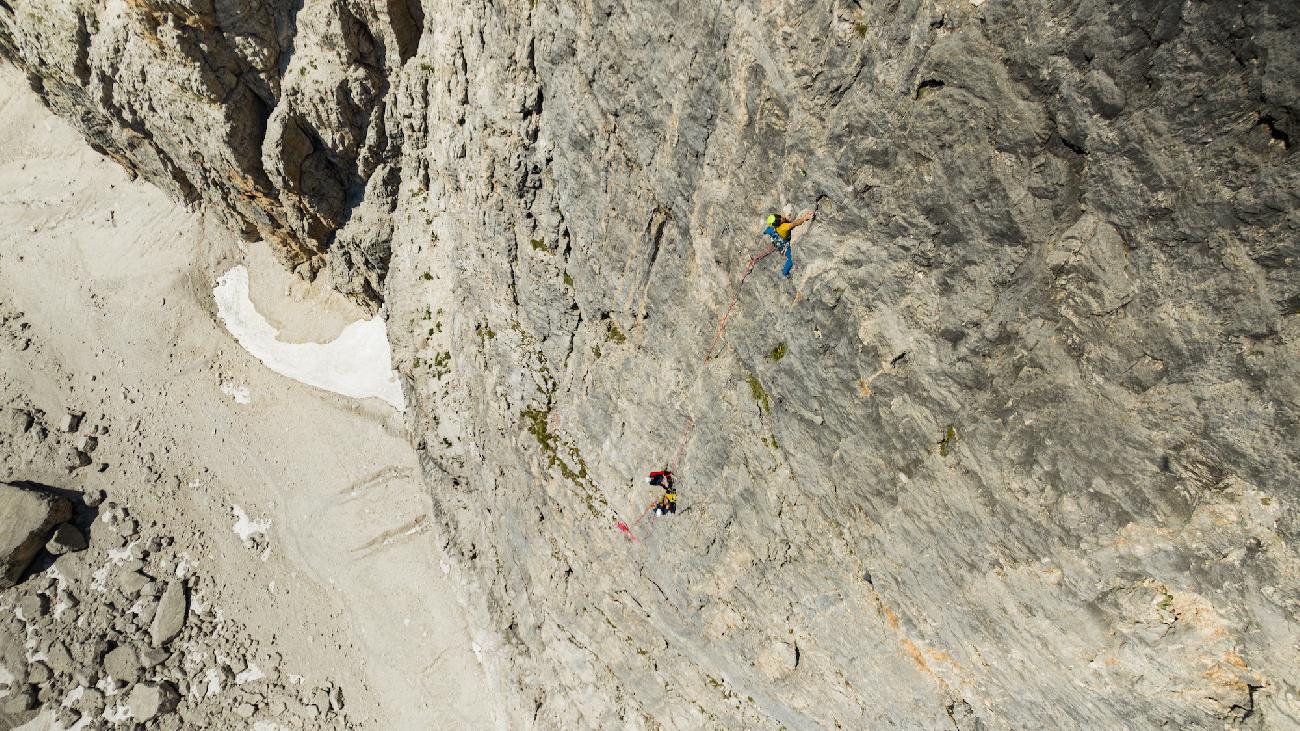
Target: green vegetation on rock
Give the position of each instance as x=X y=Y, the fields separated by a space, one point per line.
x=756 y=388
x=949 y=438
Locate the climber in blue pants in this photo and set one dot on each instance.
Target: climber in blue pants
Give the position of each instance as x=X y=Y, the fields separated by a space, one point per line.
x=778 y=230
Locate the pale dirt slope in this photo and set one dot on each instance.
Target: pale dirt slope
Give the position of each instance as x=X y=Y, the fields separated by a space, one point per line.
x=106 y=285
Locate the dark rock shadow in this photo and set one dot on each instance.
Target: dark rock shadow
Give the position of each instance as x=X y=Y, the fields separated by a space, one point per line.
x=83 y=517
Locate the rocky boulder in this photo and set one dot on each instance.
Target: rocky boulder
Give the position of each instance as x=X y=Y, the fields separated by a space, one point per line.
x=170 y=617
x=26 y=518
x=122 y=663
x=150 y=700
x=66 y=539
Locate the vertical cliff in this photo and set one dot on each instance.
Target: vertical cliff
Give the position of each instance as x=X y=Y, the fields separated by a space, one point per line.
x=1014 y=446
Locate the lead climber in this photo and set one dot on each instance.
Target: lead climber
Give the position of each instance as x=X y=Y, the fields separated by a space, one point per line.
x=778 y=230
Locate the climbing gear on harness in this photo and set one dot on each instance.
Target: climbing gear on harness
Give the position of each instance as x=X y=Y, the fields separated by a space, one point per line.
x=667 y=504
x=777 y=240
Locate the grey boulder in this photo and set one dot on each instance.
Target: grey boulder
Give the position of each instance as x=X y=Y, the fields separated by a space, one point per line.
x=170 y=617
x=150 y=700
x=122 y=663
x=26 y=517
x=66 y=539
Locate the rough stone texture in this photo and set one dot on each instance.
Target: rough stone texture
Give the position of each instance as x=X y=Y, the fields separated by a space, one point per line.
x=104 y=645
x=122 y=663
x=152 y=656
x=26 y=517
x=1035 y=374
x=66 y=538
x=150 y=700
x=272 y=112
x=170 y=617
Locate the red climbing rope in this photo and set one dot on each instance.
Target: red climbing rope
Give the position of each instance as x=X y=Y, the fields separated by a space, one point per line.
x=628 y=528
x=717 y=339
x=681 y=445
x=722 y=323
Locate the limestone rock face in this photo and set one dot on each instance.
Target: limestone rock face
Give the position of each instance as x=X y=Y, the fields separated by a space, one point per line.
x=269 y=112
x=1014 y=447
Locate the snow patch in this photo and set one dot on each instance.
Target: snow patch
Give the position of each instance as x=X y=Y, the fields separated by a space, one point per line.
x=249 y=675
x=238 y=393
x=197 y=603
x=184 y=564
x=246 y=528
x=116 y=556
x=60 y=591
x=123 y=554
x=73 y=696
x=99 y=579
x=109 y=688
x=358 y=363
x=214 y=683
x=46 y=720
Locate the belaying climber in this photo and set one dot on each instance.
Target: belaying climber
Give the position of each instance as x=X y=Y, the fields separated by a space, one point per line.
x=668 y=502
x=778 y=230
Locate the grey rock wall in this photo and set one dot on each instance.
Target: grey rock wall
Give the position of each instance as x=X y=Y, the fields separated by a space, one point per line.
x=1014 y=447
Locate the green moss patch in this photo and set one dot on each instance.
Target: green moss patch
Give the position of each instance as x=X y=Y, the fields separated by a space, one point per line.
x=949 y=439
x=756 y=387
x=572 y=465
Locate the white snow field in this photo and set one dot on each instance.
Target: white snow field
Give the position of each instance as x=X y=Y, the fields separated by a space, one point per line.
x=357 y=363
